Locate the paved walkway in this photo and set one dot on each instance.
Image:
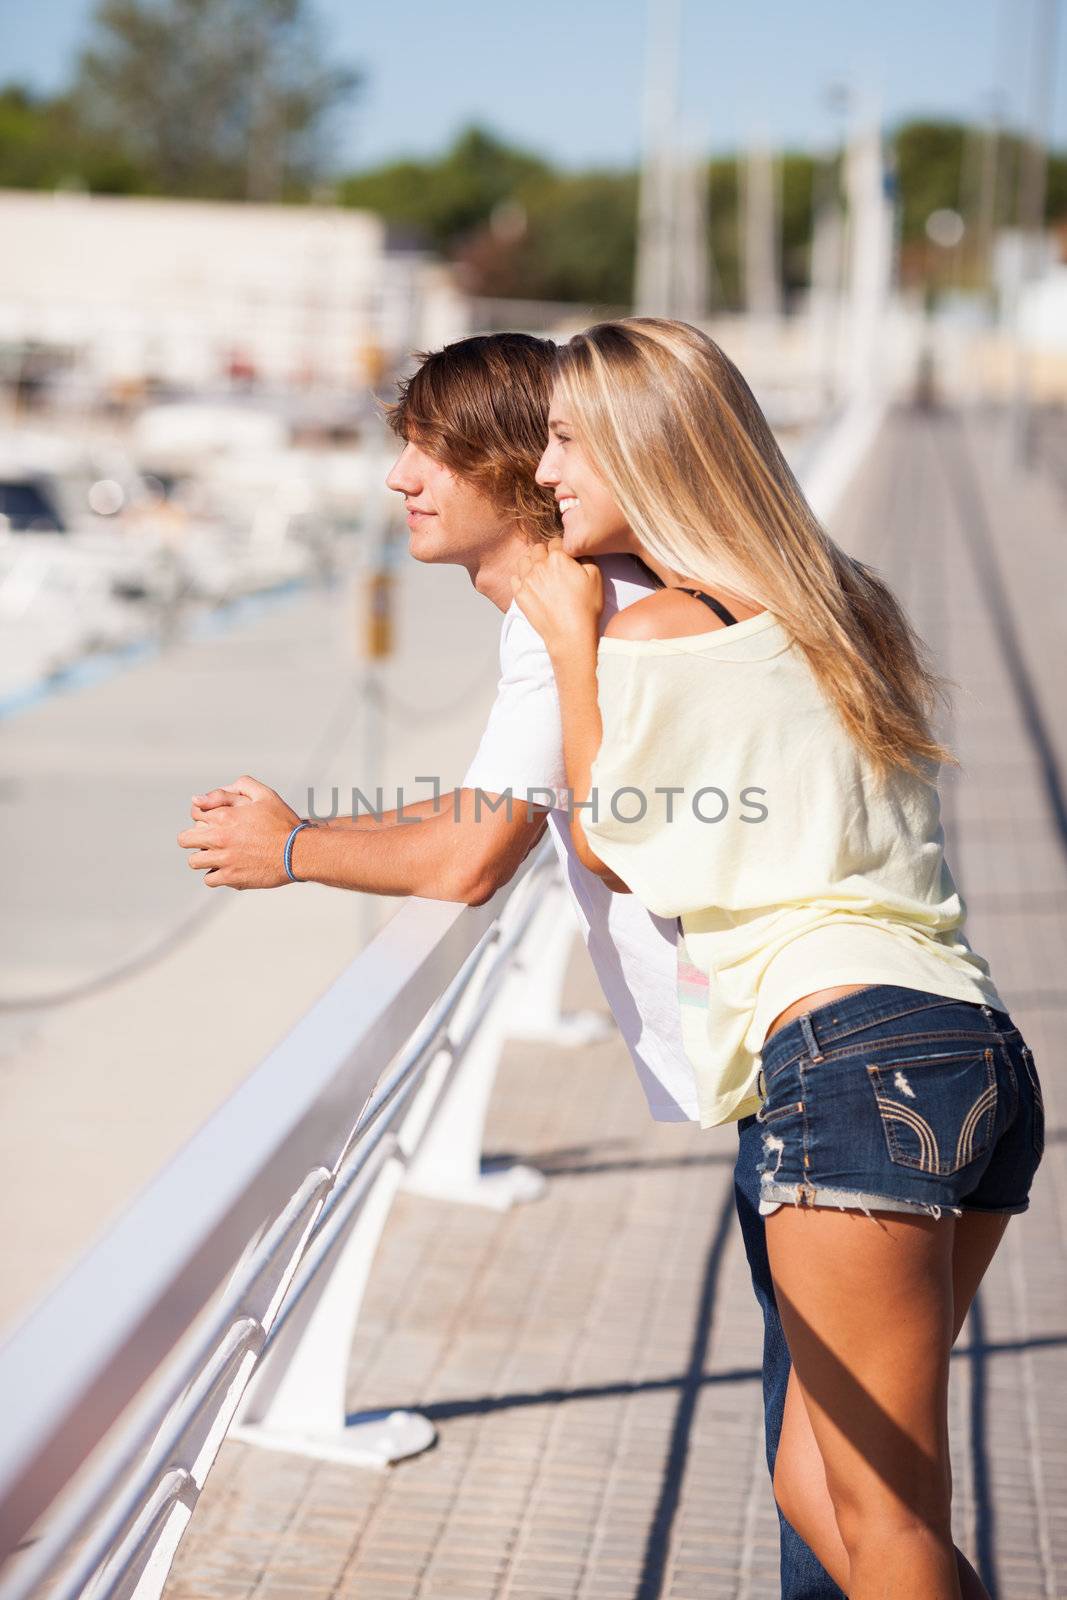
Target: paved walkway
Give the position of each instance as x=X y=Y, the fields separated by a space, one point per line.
x=94 y=787
x=591 y=1360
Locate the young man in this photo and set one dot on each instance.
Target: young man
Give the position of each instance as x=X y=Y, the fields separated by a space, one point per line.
x=473 y=421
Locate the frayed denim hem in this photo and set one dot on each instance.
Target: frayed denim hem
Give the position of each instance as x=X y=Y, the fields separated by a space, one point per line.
x=775 y=1195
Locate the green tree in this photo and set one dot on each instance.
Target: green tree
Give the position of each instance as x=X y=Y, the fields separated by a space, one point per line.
x=724 y=230
x=215 y=98
x=583 y=236
x=795 y=175
x=1056 y=190
x=446 y=199
x=44 y=146
x=929 y=159
x=936 y=170
x=564 y=236
x=797 y=187
x=514 y=225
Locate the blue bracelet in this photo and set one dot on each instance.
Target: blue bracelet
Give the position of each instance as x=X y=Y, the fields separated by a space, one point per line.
x=289 y=851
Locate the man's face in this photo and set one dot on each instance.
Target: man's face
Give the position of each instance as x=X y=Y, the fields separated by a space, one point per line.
x=448 y=519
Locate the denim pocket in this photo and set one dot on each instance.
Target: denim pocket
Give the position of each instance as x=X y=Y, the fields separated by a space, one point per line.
x=1038 y=1123
x=764 y=1116
x=938 y=1111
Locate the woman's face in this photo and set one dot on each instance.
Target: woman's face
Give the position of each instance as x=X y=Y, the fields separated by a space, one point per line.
x=592 y=522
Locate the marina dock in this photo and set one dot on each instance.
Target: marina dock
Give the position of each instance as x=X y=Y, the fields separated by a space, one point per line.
x=591 y=1360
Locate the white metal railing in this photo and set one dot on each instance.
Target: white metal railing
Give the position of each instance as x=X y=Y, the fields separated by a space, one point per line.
x=224 y=1299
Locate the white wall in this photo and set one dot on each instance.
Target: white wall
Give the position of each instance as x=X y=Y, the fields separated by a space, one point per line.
x=172 y=287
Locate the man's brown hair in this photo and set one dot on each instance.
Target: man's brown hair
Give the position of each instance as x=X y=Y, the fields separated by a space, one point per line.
x=480 y=406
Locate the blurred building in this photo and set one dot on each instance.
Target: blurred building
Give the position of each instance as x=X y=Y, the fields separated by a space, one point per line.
x=188 y=292
x=1031 y=281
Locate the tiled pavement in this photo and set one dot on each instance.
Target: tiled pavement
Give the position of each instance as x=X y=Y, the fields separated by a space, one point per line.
x=590 y=1360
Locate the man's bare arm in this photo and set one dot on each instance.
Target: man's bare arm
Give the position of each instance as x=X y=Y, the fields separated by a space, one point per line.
x=371 y=821
x=461 y=852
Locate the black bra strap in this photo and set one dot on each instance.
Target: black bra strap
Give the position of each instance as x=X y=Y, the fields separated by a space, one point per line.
x=708 y=599
x=716 y=605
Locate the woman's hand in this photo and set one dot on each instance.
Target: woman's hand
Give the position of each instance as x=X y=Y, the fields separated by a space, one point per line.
x=561 y=597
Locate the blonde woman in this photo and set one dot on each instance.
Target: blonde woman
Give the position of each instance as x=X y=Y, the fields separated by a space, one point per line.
x=750 y=751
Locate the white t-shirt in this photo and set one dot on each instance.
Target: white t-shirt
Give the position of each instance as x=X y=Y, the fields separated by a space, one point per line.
x=634 y=952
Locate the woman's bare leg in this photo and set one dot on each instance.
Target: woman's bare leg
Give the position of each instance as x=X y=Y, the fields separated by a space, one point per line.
x=800 y=1479
x=870 y=1306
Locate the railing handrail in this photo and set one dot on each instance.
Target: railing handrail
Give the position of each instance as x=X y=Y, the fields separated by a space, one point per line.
x=165 y=1256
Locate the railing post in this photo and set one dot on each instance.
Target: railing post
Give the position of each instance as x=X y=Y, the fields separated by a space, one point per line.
x=447 y=1164
x=296 y=1398
x=447 y=1161
x=537 y=1011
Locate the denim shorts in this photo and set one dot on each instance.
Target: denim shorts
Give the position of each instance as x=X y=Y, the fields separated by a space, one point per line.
x=895 y=1099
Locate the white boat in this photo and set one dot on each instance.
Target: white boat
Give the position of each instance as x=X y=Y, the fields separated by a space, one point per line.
x=58 y=607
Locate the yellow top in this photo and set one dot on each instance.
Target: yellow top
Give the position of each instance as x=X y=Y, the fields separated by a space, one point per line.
x=790 y=869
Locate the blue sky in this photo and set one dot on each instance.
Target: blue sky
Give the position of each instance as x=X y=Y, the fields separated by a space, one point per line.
x=564 y=77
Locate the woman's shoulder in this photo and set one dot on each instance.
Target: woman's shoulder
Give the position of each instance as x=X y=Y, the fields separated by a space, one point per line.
x=664 y=614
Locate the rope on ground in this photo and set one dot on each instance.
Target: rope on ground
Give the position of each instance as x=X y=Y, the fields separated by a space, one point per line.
x=352 y=700
x=162 y=946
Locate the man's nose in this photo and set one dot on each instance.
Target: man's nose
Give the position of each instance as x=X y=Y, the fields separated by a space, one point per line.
x=401 y=478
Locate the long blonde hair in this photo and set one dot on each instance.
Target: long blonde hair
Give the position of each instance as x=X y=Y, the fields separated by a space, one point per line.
x=678 y=437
